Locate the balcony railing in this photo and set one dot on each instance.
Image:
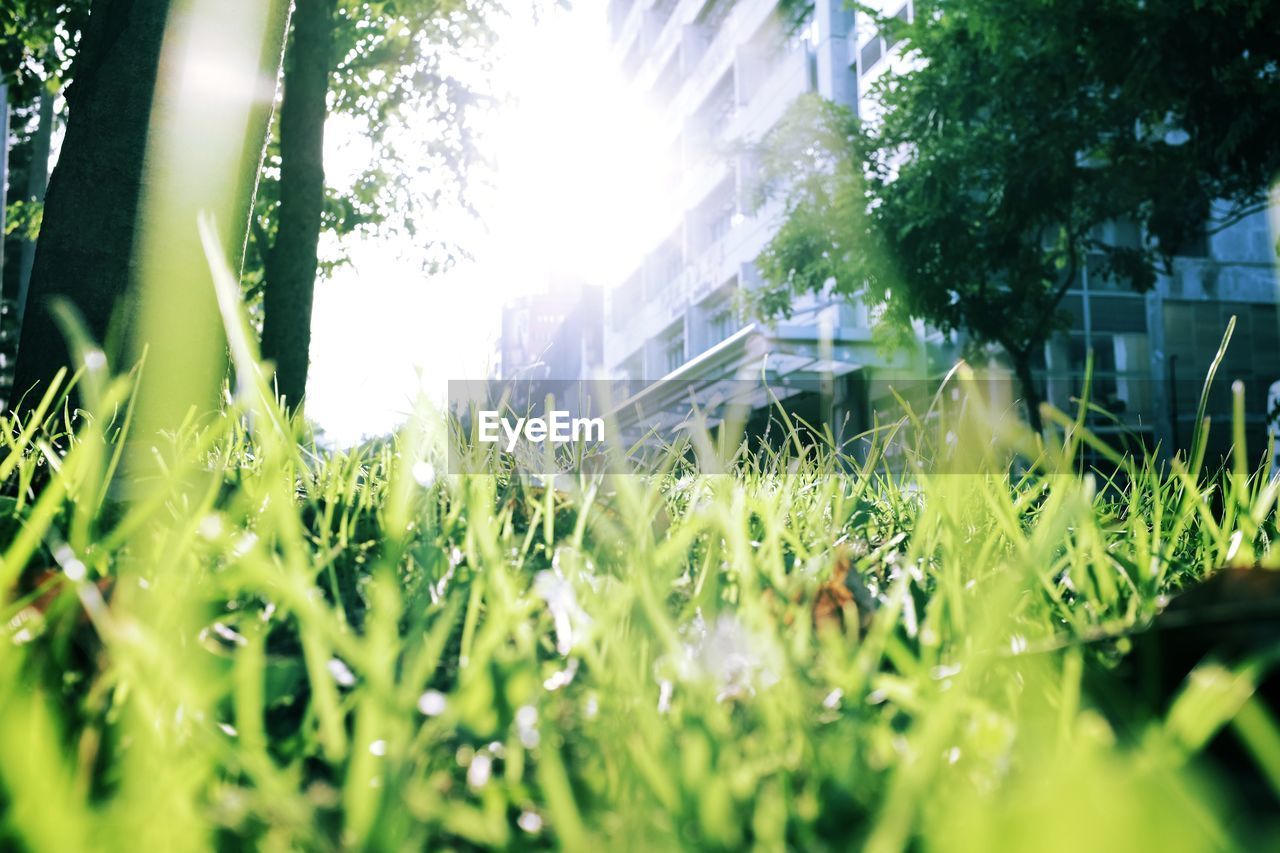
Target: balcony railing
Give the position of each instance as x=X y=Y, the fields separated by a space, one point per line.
x=669 y=36
x=630 y=28
x=745 y=17
x=785 y=80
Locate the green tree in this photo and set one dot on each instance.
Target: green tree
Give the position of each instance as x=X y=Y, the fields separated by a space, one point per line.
x=38 y=44
x=979 y=192
x=379 y=63
x=36 y=54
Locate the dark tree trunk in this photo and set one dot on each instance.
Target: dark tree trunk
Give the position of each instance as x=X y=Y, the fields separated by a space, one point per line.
x=85 y=251
x=127 y=98
x=291 y=267
x=37 y=185
x=4 y=164
x=1026 y=381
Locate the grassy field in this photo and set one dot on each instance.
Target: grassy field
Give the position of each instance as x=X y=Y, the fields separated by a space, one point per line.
x=231 y=638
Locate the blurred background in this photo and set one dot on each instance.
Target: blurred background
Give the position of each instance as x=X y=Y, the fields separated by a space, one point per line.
x=542 y=192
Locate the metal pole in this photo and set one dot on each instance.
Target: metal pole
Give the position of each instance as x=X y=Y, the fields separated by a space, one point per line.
x=1084 y=299
x=1273 y=427
x=1088 y=320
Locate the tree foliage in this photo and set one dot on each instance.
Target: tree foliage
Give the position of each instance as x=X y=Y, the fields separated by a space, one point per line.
x=38 y=41
x=403 y=71
x=979 y=190
x=408 y=74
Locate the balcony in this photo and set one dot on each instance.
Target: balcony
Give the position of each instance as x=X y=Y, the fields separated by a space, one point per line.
x=630 y=29
x=785 y=81
x=669 y=38
x=746 y=17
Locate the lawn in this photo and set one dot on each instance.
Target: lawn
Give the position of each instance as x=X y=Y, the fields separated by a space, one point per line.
x=232 y=637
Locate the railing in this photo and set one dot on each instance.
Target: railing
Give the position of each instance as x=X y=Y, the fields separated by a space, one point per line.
x=630 y=28
x=746 y=15
x=786 y=80
x=669 y=36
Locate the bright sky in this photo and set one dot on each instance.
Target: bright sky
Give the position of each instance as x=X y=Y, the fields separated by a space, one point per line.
x=579 y=192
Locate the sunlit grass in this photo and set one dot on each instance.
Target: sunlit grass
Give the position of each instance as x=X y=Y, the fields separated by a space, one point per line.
x=252 y=640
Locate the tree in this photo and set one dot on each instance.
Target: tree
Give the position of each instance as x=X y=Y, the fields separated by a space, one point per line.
x=977 y=195
x=287 y=298
x=86 y=254
x=39 y=43
x=377 y=62
x=36 y=55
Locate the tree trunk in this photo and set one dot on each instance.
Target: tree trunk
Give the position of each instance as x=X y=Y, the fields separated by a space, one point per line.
x=291 y=268
x=4 y=163
x=1031 y=398
x=85 y=251
x=37 y=184
x=146 y=149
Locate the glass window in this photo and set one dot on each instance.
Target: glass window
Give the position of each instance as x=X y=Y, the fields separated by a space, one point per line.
x=674 y=353
x=870 y=55
x=903 y=14
x=721 y=325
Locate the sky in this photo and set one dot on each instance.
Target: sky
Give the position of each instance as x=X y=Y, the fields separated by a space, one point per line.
x=578 y=192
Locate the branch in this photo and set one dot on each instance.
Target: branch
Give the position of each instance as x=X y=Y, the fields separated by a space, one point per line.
x=1237 y=215
x=1073 y=267
x=1014 y=350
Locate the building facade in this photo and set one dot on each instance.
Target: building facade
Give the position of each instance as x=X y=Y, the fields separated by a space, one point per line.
x=725 y=72
x=555 y=334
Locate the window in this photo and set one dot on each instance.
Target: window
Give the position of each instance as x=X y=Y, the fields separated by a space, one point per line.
x=666 y=264
x=1121 y=381
x=715 y=14
x=673 y=353
x=718 y=212
x=1193 y=333
x=1121 y=367
x=627 y=299
x=880 y=43
x=720 y=325
x=870 y=55
x=904 y=15
x=719 y=107
x=721 y=224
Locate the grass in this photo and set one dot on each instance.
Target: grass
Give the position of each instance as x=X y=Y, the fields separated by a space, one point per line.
x=228 y=637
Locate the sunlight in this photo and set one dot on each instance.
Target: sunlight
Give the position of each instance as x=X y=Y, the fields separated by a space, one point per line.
x=581 y=185
x=584 y=182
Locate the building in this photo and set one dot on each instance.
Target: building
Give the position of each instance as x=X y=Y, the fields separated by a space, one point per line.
x=556 y=334
x=1152 y=350
x=725 y=72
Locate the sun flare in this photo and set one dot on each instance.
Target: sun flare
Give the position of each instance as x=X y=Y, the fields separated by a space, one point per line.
x=581 y=182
